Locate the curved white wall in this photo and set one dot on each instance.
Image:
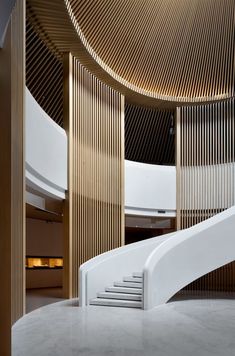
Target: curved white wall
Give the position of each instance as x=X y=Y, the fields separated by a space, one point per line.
x=150 y=189
x=46 y=151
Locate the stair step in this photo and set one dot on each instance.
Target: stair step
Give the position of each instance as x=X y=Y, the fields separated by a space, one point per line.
x=124 y=290
x=137 y=274
x=128 y=284
x=116 y=303
x=123 y=296
x=133 y=279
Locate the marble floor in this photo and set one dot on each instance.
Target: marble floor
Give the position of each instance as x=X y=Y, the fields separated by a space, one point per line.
x=183 y=327
x=37 y=298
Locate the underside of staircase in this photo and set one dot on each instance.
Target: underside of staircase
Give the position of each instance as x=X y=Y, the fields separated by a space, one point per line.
x=128 y=293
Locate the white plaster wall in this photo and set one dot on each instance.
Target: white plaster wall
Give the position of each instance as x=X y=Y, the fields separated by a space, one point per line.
x=46 y=151
x=149 y=188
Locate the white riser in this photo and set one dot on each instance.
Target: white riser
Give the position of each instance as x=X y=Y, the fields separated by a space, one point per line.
x=116 y=303
x=137 y=274
x=133 y=279
x=119 y=296
x=124 y=290
x=128 y=284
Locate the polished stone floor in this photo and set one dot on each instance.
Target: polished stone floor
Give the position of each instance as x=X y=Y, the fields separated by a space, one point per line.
x=37 y=298
x=184 y=327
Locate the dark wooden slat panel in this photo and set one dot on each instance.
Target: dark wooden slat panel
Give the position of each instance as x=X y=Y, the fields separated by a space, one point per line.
x=149 y=135
x=44 y=68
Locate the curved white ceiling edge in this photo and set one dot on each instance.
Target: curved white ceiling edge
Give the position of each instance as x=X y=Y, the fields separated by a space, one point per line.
x=45 y=151
x=150 y=190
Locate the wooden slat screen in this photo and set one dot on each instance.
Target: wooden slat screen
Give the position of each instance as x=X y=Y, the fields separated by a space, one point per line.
x=206 y=172
x=12 y=183
x=44 y=68
x=149 y=135
x=94 y=120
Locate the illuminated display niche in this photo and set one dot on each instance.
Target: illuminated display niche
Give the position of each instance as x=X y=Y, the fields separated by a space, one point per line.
x=44 y=262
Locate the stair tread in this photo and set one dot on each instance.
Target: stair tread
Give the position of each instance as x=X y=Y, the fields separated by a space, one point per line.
x=124 y=290
x=128 y=284
x=133 y=279
x=116 y=302
x=123 y=296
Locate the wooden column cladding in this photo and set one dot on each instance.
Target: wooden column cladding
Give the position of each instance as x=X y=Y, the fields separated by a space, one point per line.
x=205 y=171
x=12 y=215
x=94 y=212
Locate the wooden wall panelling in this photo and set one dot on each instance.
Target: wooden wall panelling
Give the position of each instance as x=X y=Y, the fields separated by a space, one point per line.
x=18 y=160
x=205 y=172
x=12 y=187
x=94 y=120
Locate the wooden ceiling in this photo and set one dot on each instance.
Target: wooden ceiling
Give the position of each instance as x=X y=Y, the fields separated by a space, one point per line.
x=157 y=52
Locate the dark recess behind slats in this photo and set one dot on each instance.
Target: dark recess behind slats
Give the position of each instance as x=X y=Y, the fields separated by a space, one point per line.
x=149 y=135
x=44 y=69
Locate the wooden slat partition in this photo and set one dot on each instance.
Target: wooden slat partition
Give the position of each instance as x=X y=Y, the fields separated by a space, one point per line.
x=206 y=172
x=149 y=135
x=94 y=211
x=44 y=68
x=12 y=212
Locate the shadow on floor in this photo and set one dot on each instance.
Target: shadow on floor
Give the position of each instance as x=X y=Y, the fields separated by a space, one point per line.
x=37 y=298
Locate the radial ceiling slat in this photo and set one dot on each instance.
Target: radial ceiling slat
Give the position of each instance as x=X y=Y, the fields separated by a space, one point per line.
x=176 y=48
x=163 y=53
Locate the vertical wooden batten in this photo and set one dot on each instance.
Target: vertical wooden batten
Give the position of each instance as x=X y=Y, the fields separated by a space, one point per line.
x=12 y=181
x=178 y=163
x=205 y=174
x=94 y=210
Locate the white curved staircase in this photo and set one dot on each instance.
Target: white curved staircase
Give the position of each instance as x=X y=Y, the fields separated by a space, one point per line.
x=169 y=263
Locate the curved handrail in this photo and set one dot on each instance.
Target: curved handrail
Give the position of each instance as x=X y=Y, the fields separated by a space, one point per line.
x=191 y=254
x=102 y=270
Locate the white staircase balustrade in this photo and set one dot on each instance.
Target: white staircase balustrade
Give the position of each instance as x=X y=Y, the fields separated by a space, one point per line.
x=191 y=254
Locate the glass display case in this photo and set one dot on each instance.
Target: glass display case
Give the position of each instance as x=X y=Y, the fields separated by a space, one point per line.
x=44 y=262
